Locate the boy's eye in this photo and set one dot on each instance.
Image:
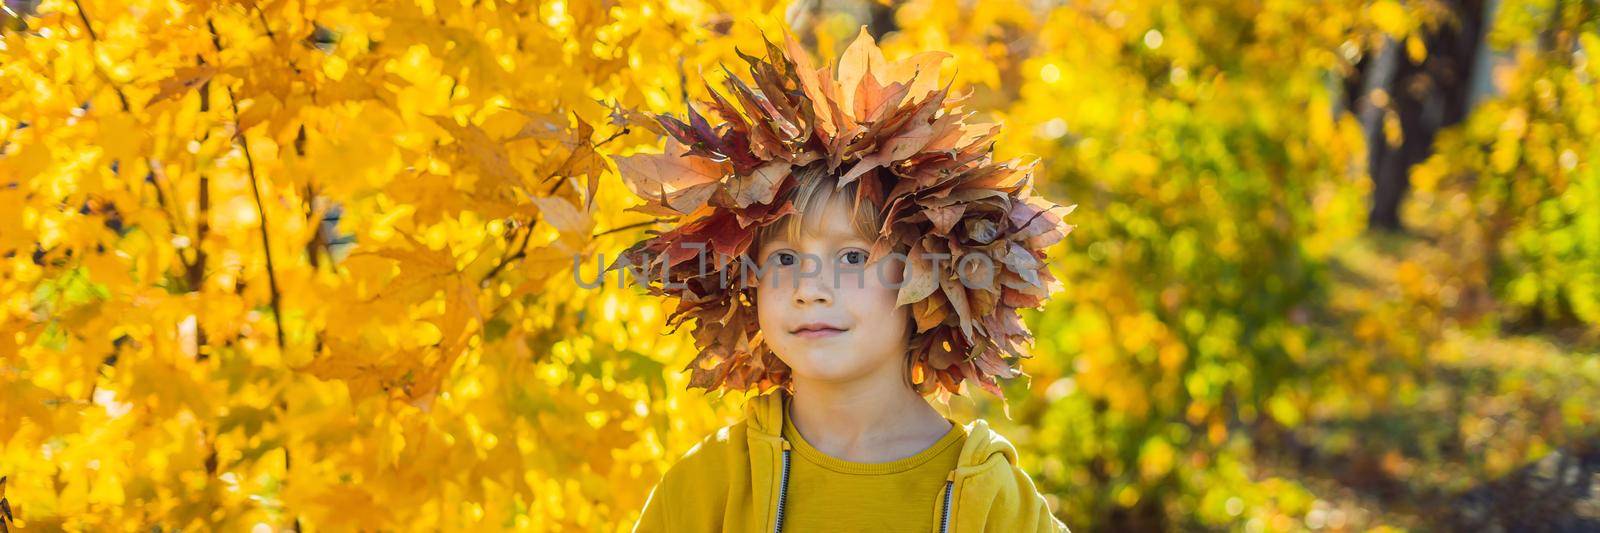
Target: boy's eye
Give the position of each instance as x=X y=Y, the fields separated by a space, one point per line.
x=855 y=257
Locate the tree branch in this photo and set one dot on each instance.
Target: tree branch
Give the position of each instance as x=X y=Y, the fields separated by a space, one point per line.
x=508 y=257
x=631 y=226
x=94 y=40
x=557 y=185
x=261 y=207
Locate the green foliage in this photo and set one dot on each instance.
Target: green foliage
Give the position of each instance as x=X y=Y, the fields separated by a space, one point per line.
x=1186 y=314
x=1225 y=309
x=1526 y=161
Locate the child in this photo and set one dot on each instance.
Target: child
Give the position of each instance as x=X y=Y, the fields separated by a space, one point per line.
x=890 y=257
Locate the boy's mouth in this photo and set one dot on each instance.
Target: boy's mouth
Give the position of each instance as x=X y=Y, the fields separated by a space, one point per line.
x=817 y=330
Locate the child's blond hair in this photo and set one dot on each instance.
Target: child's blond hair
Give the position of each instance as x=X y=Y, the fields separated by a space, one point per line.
x=809 y=197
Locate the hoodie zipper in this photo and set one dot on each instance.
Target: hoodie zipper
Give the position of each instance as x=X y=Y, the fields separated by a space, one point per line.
x=949 y=489
x=783 y=487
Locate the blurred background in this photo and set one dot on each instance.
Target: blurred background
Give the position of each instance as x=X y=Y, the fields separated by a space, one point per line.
x=306 y=265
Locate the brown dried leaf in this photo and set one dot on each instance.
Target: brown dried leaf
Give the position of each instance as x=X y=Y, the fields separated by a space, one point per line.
x=760 y=186
x=669 y=179
x=896 y=149
x=957 y=295
x=922 y=69
x=812 y=87
x=861 y=58
x=944 y=218
x=919 y=276
x=929 y=312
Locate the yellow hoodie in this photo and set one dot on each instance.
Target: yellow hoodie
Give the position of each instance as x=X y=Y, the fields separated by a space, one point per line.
x=734 y=480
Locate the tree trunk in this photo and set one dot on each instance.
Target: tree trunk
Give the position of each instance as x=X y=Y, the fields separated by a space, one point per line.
x=1423 y=97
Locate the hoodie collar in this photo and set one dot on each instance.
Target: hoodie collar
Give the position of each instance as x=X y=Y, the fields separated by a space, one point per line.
x=764 y=415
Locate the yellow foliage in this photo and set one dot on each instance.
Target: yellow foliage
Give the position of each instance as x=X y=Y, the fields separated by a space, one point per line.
x=307 y=264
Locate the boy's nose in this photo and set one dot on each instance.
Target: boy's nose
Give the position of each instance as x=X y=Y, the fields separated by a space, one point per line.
x=812 y=289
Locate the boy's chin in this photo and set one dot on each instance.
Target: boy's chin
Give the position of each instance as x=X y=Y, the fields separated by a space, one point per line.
x=825 y=371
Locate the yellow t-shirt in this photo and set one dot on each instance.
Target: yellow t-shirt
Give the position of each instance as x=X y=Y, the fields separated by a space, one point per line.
x=829 y=494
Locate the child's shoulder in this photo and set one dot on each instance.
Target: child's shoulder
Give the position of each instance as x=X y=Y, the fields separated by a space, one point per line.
x=731 y=438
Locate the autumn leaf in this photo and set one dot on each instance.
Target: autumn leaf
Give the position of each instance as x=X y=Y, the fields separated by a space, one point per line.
x=920 y=276
x=183 y=81
x=487 y=155
x=860 y=66
x=573 y=225
x=761 y=186
x=542 y=126
x=677 y=183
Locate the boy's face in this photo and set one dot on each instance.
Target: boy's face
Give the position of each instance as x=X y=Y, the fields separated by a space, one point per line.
x=823 y=309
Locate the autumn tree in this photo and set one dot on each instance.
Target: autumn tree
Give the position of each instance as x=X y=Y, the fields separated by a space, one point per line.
x=307 y=264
